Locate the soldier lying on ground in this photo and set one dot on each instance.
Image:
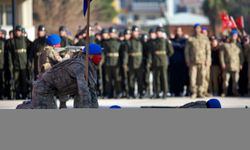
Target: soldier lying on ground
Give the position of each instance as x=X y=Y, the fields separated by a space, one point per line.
x=67 y=78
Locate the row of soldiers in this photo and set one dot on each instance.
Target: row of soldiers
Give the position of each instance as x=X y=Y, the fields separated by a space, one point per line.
x=180 y=66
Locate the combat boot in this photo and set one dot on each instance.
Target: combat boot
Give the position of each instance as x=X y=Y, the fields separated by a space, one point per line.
x=194 y=96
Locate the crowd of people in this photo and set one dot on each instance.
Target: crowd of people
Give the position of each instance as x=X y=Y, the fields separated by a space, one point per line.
x=198 y=65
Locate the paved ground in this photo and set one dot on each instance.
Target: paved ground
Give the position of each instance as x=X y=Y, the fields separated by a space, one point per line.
x=226 y=103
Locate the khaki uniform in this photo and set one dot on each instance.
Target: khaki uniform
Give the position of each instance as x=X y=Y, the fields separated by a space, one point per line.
x=161 y=49
x=134 y=63
x=247 y=57
x=2 y=63
x=111 y=63
x=198 y=55
x=21 y=66
x=232 y=57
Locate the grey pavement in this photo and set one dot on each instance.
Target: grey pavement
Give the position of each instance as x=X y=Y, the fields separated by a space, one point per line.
x=137 y=103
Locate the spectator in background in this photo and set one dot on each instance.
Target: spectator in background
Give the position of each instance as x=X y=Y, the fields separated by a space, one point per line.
x=178 y=69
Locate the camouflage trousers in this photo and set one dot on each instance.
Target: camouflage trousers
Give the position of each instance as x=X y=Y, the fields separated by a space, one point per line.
x=207 y=79
x=197 y=78
x=235 y=75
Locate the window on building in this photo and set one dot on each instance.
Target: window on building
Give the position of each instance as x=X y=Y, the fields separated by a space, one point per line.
x=1 y=15
x=8 y=15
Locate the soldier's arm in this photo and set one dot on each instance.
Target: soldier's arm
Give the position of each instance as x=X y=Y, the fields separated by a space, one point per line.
x=208 y=54
x=170 y=49
x=222 y=57
x=55 y=56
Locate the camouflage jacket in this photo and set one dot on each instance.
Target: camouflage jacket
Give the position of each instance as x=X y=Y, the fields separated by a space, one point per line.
x=231 y=56
x=198 y=50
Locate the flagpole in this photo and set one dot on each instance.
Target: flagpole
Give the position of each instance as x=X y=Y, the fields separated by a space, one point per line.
x=87 y=43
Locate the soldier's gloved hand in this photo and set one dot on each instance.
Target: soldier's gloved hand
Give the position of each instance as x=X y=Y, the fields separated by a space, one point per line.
x=241 y=67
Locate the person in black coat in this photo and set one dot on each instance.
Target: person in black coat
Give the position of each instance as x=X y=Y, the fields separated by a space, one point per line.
x=178 y=69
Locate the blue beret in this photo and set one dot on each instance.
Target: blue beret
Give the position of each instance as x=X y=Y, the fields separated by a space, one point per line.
x=234 y=32
x=197 y=25
x=94 y=49
x=53 y=39
x=115 y=107
x=214 y=103
x=204 y=29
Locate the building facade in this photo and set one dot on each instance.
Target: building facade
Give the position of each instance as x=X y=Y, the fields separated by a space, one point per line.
x=24 y=15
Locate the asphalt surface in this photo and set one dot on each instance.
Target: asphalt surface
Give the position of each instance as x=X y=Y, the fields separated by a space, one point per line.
x=137 y=103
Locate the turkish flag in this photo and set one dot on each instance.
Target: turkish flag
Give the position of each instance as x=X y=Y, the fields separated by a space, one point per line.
x=227 y=21
x=240 y=22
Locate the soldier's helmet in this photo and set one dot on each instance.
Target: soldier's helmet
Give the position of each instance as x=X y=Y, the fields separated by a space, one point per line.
x=144 y=37
x=105 y=31
x=160 y=29
x=127 y=31
x=121 y=34
x=135 y=28
x=62 y=28
x=152 y=30
x=18 y=28
x=112 y=30
x=41 y=28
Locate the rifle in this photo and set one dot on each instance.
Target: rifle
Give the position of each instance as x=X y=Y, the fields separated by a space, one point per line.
x=73 y=49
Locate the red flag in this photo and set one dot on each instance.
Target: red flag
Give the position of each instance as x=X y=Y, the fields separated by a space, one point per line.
x=227 y=22
x=240 y=22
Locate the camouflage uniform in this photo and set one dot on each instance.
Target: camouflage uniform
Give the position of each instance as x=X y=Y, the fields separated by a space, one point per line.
x=48 y=58
x=198 y=56
x=207 y=74
x=66 y=78
x=232 y=58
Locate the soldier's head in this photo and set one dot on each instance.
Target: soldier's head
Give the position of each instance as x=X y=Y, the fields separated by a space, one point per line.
x=113 y=33
x=127 y=34
x=135 y=32
x=18 y=31
x=234 y=35
x=62 y=31
x=98 y=36
x=54 y=40
x=144 y=38
x=204 y=31
x=95 y=53
x=179 y=32
x=197 y=29
x=152 y=33
x=11 y=34
x=121 y=36
x=214 y=42
x=105 y=34
x=41 y=31
x=160 y=32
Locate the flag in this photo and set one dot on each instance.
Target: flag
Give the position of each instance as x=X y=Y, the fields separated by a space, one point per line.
x=227 y=22
x=240 y=22
x=85 y=6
